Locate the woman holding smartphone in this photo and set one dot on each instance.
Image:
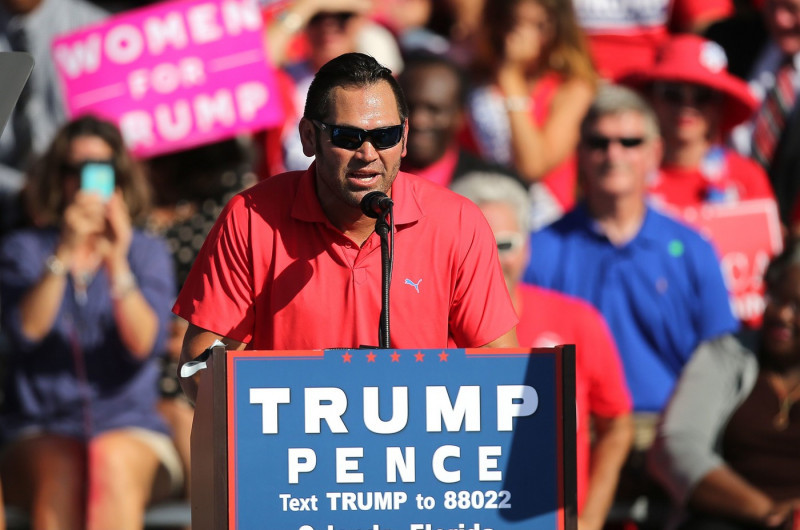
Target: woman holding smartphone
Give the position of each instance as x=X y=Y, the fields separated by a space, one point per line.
x=85 y=299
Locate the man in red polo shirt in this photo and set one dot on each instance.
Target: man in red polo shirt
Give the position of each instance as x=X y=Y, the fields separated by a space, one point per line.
x=293 y=263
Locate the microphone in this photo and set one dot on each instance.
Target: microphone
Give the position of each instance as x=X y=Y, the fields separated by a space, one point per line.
x=375 y=203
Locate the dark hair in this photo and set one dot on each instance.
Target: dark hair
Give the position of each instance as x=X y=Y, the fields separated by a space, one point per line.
x=349 y=70
x=44 y=193
x=425 y=59
x=568 y=54
x=790 y=257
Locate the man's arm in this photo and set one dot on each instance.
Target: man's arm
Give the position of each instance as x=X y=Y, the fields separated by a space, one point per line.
x=508 y=340
x=195 y=342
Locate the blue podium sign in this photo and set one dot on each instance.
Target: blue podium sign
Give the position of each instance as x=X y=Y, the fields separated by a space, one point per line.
x=456 y=439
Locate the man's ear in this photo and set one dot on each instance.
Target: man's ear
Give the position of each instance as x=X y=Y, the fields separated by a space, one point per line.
x=405 y=138
x=308 y=137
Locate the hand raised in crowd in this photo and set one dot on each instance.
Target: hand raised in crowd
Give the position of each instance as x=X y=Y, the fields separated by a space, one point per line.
x=84 y=218
x=118 y=232
x=298 y=15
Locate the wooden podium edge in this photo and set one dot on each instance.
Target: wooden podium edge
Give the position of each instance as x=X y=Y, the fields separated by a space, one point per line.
x=569 y=427
x=209 y=447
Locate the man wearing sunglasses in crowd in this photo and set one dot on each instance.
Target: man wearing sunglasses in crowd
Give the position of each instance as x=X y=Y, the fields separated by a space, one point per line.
x=656 y=281
x=293 y=262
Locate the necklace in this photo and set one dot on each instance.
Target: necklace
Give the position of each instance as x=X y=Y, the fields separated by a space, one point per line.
x=786 y=399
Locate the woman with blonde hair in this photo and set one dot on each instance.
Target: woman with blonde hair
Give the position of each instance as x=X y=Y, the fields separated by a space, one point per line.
x=537 y=80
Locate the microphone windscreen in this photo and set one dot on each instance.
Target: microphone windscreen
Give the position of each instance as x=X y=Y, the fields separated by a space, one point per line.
x=371 y=203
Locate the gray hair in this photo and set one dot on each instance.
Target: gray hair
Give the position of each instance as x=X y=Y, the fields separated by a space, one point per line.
x=616 y=99
x=486 y=187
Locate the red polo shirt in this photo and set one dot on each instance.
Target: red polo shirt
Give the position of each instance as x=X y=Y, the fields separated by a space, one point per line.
x=276 y=274
x=549 y=318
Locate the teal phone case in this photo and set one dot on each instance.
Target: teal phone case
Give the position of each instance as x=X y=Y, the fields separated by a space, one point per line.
x=98 y=178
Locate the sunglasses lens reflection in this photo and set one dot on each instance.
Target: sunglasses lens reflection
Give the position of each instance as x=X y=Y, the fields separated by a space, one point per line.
x=352 y=138
x=602 y=143
x=680 y=95
x=508 y=241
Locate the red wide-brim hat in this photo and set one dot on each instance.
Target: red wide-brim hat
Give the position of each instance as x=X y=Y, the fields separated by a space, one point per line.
x=692 y=59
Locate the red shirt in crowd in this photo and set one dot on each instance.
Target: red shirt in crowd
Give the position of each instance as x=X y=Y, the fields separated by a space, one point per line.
x=548 y=318
x=724 y=177
x=276 y=274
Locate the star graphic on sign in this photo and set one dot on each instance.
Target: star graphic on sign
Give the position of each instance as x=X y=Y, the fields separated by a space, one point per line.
x=443 y=357
x=419 y=356
x=347 y=357
x=395 y=357
x=371 y=357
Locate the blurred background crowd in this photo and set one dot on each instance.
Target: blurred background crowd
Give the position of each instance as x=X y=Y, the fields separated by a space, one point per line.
x=595 y=135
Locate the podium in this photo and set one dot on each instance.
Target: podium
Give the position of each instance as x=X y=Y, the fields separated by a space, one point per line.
x=420 y=439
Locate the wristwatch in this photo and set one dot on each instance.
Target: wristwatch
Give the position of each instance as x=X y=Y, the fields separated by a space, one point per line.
x=55 y=266
x=122 y=284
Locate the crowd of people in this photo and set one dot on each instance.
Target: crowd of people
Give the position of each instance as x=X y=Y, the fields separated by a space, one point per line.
x=575 y=138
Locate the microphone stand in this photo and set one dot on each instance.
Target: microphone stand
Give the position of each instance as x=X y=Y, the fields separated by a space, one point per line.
x=387 y=257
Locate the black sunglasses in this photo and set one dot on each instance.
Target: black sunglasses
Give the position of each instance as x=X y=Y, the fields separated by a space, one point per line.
x=74 y=170
x=508 y=241
x=686 y=94
x=351 y=137
x=599 y=142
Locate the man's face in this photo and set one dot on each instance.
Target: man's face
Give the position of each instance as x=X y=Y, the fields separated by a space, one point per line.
x=344 y=176
x=435 y=113
x=687 y=113
x=610 y=162
x=783 y=21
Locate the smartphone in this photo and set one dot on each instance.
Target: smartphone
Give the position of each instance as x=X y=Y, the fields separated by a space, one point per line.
x=98 y=177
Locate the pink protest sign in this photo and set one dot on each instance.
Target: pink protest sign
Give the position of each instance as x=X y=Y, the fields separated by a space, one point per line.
x=172 y=76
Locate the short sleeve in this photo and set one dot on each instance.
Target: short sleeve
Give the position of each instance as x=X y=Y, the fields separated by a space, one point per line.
x=684 y=449
x=218 y=294
x=21 y=265
x=481 y=310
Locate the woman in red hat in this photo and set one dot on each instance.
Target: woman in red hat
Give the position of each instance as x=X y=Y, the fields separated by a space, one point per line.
x=698 y=102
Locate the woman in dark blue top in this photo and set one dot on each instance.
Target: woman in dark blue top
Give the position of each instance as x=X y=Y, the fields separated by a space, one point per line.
x=84 y=300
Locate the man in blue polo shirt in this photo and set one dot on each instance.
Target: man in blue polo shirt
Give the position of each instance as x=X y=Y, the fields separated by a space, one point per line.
x=656 y=281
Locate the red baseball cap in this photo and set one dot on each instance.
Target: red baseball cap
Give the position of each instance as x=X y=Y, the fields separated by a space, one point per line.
x=692 y=59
